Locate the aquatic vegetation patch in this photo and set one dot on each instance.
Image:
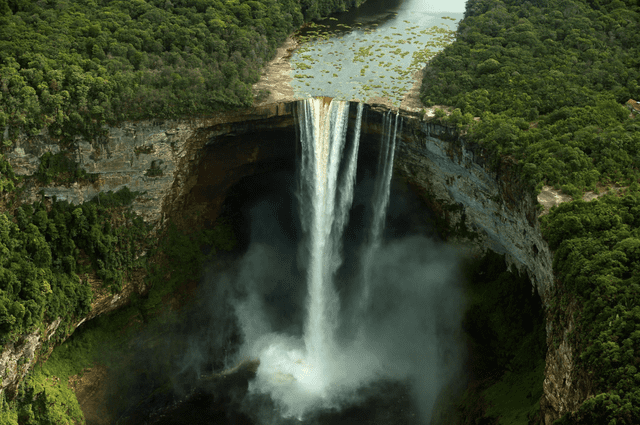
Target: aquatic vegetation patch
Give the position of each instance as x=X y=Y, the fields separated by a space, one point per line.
x=395 y=57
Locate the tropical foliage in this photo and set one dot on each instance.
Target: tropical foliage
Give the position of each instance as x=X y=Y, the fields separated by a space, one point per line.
x=597 y=263
x=42 y=399
x=61 y=169
x=7 y=177
x=47 y=254
x=548 y=80
x=74 y=66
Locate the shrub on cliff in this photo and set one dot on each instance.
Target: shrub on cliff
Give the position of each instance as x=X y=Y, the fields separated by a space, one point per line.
x=6 y=176
x=60 y=168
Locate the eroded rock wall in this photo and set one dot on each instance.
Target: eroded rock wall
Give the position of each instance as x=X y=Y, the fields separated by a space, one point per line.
x=489 y=209
x=128 y=151
x=123 y=158
x=200 y=159
x=565 y=386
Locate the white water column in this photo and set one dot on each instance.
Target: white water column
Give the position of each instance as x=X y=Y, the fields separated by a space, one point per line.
x=379 y=202
x=324 y=204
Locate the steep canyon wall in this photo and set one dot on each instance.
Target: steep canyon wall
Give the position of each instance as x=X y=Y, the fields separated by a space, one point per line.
x=197 y=161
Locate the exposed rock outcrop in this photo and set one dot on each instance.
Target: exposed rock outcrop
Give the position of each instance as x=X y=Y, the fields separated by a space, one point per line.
x=130 y=150
x=197 y=161
x=565 y=387
x=18 y=357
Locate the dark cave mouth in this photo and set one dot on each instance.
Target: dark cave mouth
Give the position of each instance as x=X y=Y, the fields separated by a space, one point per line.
x=262 y=208
x=265 y=205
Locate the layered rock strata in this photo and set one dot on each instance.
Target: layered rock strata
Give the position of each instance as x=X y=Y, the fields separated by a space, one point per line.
x=197 y=161
x=123 y=158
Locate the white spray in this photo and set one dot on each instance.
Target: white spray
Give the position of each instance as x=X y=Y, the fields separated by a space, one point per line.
x=408 y=289
x=303 y=375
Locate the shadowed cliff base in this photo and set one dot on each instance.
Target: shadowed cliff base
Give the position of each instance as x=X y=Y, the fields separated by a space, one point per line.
x=165 y=375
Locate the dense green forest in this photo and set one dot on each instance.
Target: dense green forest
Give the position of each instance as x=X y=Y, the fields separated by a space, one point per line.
x=549 y=79
x=74 y=66
x=47 y=254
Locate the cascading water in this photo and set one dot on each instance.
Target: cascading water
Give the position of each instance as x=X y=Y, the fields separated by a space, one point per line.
x=345 y=193
x=380 y=199
x=380 y=202
x=322 y=143
x=386 y=331
x=303 y=375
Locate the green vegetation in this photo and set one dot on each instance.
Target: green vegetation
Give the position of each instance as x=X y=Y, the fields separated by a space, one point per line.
x=153 y=171
x=179 y=257
x=46 y=249
x=505 y=327
x=61 y=169
x=515 y=398
x=74 y=66
x=45 y=252
x=43 y=399
x=597 y=264
x=7 y=177
x=314 y=9
x=549 y=80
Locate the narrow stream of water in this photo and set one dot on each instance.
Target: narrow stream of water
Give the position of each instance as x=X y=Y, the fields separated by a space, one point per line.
x=372 y=51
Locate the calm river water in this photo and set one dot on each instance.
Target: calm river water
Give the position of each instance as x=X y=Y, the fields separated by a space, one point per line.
x=374 y=50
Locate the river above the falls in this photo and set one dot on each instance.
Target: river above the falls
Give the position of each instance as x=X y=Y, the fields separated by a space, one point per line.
x=373 y=51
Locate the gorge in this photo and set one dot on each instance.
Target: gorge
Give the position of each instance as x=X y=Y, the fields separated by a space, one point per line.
x=477 y=209
x=155 y=236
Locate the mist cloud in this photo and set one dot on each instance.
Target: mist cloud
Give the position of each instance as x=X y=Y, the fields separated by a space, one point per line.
x=410 y=332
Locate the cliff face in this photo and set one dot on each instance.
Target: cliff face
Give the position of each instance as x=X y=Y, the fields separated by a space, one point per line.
x=195 y=162
x=124 y=158
x=490 y=210
x=565 y=386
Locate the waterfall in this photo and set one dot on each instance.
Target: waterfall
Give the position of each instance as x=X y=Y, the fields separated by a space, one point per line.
x=324 y=207
x=380 y=199
x=345 y=193
x=315 y=371
x=379 y=202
